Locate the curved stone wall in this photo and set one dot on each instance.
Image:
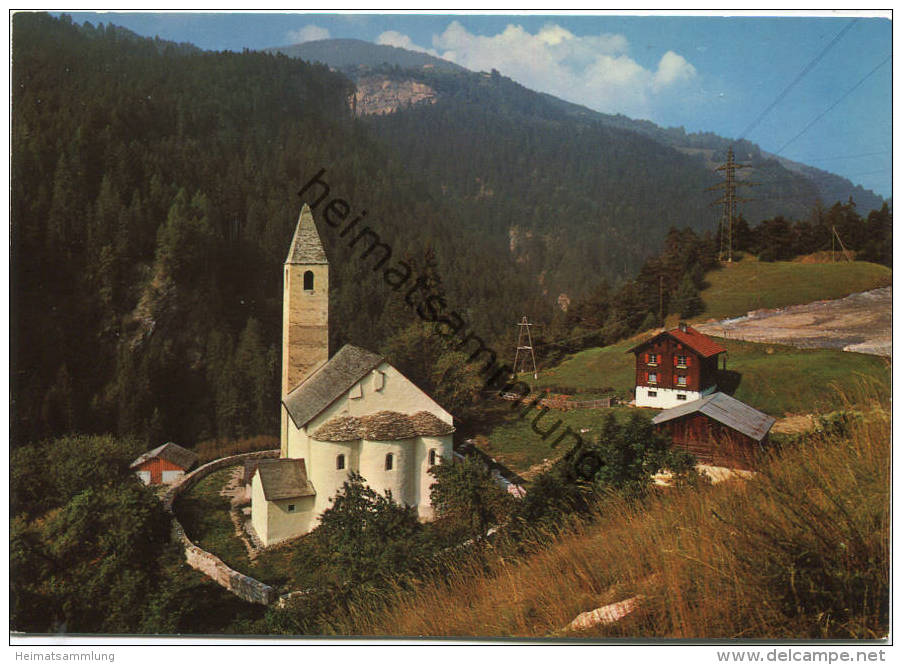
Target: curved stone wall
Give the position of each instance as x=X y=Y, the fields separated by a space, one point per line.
x=245 y=587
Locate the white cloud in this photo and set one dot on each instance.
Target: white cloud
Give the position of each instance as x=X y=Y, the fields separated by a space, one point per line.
x=594 y=70
x=309 y=33
x=394 y=38
x=673 y=68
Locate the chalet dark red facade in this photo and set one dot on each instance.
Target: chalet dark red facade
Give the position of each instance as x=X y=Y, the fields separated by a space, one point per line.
x=675 y=366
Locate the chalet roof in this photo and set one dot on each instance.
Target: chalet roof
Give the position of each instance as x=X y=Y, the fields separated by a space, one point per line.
x=284 y=479
x=382 y=426
x=724 y=409
x=306 y=246
x=698 y=342
x=329 y=382
x=171 y=452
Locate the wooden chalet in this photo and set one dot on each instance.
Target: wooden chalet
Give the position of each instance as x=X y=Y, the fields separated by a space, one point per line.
x=675 y=366
x=717 y=429
x=164 y=464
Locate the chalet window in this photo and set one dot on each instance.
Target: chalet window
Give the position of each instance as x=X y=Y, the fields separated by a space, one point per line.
x=290 y=507
x=652 y=358
x=681 y=380
x=389 y=461
x=340 y=462
x=652 y=377
x=652 y=393
x=432 y=457
x=682 y=361
x=308 y=280
x=681 y=398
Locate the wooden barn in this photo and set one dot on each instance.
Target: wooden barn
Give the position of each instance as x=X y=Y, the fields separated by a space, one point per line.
x=717 y=429
x=164 y=464
x=675 y=366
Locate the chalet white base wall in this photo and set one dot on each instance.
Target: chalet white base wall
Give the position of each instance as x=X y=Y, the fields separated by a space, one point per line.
x=665 y=398
x=245 y=587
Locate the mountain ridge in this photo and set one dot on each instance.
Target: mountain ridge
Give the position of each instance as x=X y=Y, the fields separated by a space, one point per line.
x=830 y=186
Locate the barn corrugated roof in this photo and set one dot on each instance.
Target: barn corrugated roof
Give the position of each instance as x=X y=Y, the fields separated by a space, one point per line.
x=284 y=479
x=382 y=426
x=724 y=409
x=171 y=452
x=329 y=382
x=692 y=338
x=306 y=246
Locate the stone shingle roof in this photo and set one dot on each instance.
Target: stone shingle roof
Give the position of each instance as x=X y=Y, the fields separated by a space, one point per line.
x=329 y=382
x=386 y=426
x=382 y=426
x=284 y=479
x=306 y=247
x=428 y=424
x=726 y=410
x=171 y=452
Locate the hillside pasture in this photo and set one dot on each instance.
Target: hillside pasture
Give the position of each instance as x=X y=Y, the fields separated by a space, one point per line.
x=743 y=286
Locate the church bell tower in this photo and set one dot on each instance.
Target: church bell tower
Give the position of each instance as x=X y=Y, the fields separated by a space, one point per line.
x=305 y=305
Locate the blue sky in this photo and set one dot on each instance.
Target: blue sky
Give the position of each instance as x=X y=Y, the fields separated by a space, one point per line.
x=704 y=73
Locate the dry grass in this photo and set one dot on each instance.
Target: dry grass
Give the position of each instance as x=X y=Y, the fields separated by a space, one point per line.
x=802 y=551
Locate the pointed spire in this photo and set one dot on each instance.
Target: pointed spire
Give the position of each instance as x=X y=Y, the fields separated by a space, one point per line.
x=306 y=246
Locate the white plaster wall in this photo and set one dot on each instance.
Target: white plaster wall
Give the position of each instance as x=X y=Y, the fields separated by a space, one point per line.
x=322 y=471
x=666 y=398
x=398 y=394
x=170 y=477
x=400 y=479
x=298 y=441
x=259 y=509
x=423 y=480
x=283 y=524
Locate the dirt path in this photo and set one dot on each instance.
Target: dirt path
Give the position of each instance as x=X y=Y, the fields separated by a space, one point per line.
x=861 y=322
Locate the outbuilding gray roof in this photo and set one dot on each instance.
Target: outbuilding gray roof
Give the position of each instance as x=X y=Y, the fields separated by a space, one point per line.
x=724 y=409
x=306 y=247
x=329 y=382
x=171 y=452
x=284 y=479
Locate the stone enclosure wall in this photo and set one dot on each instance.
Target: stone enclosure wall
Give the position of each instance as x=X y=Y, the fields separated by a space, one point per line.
x=246 y=588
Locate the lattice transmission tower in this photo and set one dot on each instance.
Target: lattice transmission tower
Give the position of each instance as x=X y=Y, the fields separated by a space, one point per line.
x=528 y=353
x=729 y=201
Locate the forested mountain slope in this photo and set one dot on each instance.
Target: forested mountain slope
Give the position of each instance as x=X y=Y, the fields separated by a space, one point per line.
x=154 y=194
x=154 y=191
x=785 y=187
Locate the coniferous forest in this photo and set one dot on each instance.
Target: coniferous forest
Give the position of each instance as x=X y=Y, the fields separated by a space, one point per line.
x=154 y=191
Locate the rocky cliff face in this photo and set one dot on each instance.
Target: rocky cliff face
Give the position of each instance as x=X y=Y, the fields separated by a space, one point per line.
x=380 y=96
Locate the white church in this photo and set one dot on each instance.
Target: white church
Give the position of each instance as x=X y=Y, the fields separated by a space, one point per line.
x=351 y=412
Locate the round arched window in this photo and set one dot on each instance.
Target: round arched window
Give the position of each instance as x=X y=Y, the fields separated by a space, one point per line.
x=389 y=461
x=432 y=457
x=308 y=280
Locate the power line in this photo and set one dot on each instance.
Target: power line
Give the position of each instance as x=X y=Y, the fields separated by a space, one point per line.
x=798 y=78
x=862 y=154
x=835 y=104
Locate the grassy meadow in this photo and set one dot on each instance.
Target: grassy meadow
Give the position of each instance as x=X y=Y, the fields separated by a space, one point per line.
x=774 y=378
x=749 y=284
x=801 y=550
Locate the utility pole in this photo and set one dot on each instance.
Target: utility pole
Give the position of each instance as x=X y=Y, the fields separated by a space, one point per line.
x=728 y=200
x=844 y=250
x=661 y=300
x=524 y=327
